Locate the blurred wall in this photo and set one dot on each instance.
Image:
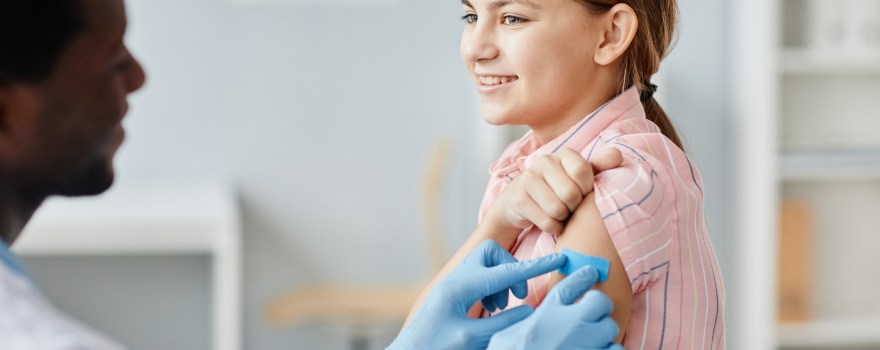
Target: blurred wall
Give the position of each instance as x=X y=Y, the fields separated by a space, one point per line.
x=322 y=113
x=697 y=90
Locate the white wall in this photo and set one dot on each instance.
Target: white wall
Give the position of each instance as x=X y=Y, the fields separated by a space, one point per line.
x=698 y=88
x=322 y=114
x=697 y=94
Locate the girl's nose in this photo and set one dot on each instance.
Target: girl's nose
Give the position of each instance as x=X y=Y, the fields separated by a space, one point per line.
x=479 y=44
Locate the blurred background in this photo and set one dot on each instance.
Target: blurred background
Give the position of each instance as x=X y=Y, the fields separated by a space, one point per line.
x=293 y=166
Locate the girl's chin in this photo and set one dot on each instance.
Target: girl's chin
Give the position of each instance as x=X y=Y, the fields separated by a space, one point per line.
x=493 y=121
x=498 y=118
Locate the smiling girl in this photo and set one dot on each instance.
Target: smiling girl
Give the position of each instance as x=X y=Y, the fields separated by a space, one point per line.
x=577 y=73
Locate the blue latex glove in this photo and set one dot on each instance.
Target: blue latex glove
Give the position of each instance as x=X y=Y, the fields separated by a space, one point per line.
x=486 y=274
x=561 y=323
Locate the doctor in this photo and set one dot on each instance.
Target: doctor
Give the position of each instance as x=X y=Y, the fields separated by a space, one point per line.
x=65 y=73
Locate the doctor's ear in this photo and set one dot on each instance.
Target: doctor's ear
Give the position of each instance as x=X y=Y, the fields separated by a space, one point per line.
x=6 y=93
x=617 y=27
x=19 y=111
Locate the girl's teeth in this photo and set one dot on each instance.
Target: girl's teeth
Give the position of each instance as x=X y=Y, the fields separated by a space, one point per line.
x=496 y=80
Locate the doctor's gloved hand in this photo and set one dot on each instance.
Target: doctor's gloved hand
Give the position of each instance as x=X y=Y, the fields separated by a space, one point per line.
x=561 y=322
x=486 y=274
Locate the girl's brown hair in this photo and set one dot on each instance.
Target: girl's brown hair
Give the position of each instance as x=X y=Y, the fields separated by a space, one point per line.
x=654 y=36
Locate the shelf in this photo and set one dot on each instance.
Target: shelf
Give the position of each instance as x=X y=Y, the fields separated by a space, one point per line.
x=141 y=219
x=848 y=165
x=813 y=62
x=786 y=96
x=830 y=333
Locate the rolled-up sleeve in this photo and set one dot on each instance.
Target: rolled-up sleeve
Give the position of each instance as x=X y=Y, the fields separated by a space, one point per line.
x=637 y=204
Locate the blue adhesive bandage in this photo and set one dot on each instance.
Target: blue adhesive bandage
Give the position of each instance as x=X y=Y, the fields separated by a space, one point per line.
x=574 y=261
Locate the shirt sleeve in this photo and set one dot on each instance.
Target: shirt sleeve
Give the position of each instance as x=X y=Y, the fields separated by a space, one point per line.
x=637 y=204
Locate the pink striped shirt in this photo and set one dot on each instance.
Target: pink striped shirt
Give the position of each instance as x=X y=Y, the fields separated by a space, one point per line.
x=653 y=209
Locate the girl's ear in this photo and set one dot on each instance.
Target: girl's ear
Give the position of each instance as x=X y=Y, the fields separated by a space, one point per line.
x=618 y=28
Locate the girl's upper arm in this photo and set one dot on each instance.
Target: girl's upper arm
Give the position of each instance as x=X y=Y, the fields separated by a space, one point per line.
x=586 y=234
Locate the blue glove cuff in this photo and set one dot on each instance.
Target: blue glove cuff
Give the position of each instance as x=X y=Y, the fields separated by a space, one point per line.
x=574 y=261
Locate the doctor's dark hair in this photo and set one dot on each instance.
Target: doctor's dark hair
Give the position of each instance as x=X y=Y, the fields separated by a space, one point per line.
x=33 y=34
x=653 y=39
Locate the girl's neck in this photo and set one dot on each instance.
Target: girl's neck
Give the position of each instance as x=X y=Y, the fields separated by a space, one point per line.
x=554 y=126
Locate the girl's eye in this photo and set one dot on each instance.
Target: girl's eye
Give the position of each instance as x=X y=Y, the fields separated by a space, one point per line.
x=513 y=20
x=469 y=18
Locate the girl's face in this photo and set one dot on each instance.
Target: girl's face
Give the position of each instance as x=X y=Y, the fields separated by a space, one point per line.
x=533 y=62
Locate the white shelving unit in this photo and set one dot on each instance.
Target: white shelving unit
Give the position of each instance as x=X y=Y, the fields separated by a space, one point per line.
x=809 y=62
x=829 y=332
x=155 y=219
x=830 y=166
x=806 y=126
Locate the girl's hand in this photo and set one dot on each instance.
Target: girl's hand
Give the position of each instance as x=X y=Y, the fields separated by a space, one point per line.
x=548 y=191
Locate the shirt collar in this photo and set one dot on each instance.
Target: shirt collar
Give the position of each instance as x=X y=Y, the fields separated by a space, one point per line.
x=8 y=259
x=523 y=152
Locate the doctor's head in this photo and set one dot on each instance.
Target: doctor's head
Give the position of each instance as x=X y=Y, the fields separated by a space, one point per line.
x=65 y=74
x=546 y=63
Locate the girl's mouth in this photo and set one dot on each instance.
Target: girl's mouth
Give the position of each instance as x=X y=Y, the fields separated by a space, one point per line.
x=490 y=80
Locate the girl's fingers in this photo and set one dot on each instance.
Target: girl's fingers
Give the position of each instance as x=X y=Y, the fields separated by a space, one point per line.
x=577 y=169
x=537 y=215
x=547 y=200
x=607 y=159
x=566 y=189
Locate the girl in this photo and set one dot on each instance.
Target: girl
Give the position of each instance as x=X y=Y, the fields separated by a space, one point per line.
x=577 y=73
